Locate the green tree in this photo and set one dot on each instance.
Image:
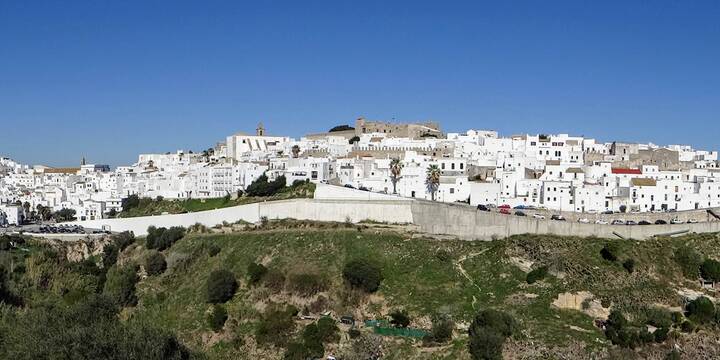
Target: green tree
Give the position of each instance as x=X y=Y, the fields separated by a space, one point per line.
x=399 y=318
x=120 y=284
x=217 y=318
x=256 y=272
x=700 y=310
x=432 y=180
x=396 y=167
x=710 y=270
x=155 y=264
x=221 y=286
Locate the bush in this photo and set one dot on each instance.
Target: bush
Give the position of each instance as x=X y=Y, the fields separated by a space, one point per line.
x=660 y=335
x=274 y=280
x=312 y=341
x=213 y=250
x=306 y=284
x=221 y=286
x=399 y=319
x=536 y=275
x=275 y=325
x=689 y=261
x=710 y=270
x=442 y=330
x=155 y=264
x=362 y=274
x=256 y=272
x=488 y=332
x=629 y=265
x=610 y=252
x=700 y=310
x=217 y=318
x=297 y=351
x=657 y=317
x=328 y=330
x=120 y=285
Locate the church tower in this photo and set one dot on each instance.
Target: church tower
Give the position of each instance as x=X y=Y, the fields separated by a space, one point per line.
x=260 y=131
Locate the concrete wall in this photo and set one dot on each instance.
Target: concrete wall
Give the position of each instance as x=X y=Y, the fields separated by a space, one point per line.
x=467 y=223
x=139 y=225
x=301 y=209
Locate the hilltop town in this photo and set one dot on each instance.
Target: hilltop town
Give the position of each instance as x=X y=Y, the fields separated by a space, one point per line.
x=413 y=160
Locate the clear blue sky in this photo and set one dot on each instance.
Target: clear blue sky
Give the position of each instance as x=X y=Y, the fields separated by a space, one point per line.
x=111 y=79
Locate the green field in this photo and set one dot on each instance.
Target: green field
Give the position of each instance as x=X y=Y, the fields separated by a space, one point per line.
x=424 y=277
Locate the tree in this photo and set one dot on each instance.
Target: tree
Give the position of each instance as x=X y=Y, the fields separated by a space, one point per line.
x=64 y=215
x=221 y=286
x=295 y=151
x=328 y=330
x=629 y=265
x=342 y=128
x=130 y=202
x=399 y=319
x=217 y=318
x=710 y=270
x=396 y=167
x=275 y=325
x=362 y=274
x=610 y=252
x=155 y=264
x=432 y=180
x=354 y=139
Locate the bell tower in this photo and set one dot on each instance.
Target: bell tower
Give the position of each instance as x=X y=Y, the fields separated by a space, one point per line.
x=260 y=131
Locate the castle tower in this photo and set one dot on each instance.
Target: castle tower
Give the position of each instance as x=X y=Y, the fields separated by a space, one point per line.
x=260 y=131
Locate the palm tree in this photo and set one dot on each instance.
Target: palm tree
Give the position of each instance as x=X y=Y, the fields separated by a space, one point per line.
x=432 y=180
x=396 y=167
x=295 y=151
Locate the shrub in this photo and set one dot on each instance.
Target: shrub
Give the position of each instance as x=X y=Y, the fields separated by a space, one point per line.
x=221 y=286
x=442 y=330
x=689 y=261
x=312 y=341
x=256 y=272
x=354 y=333
x=657 y=317
x=700 y=310
x=306 y=284
x=274 y=280
x=262 y=187
x=486 y=344
x=217 y=318
x=488 y=332
x=213 y=250
x=399 y=319
x=660 y=335
x=162 y=238
x=120 y=285
x=610 y=252
x=710 y=270
x=536 y=275
x=687 y=327
x=629 y=265
x=362 y=274
x=275 y=325
x=155 y=264
x=328 y=330
x=296 y=351
x=673 y=355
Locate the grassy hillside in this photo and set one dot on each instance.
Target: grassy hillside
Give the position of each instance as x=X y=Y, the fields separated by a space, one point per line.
x=425 y=278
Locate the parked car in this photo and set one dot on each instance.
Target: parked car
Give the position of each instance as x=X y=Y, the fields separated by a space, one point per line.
x=692 y=221
x=643 y=222
x=660 y=222
x=631 y=222
x=557 y=217
x=617 y=222
x=584 y=221
x=505 y=211
x=482 y=207
x=520 y=213
x=676 y=221
x=538 y=216
x=504 y=206
x=607 y=212
x=519 y=207
x=601 y=222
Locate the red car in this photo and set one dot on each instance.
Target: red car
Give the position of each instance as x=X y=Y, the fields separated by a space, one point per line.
x=506 y=206
x=505 y=211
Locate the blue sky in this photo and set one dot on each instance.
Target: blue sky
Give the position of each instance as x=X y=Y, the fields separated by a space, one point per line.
x=110 y=79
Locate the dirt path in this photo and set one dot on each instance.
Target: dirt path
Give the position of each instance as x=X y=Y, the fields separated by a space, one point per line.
x=463 y=272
